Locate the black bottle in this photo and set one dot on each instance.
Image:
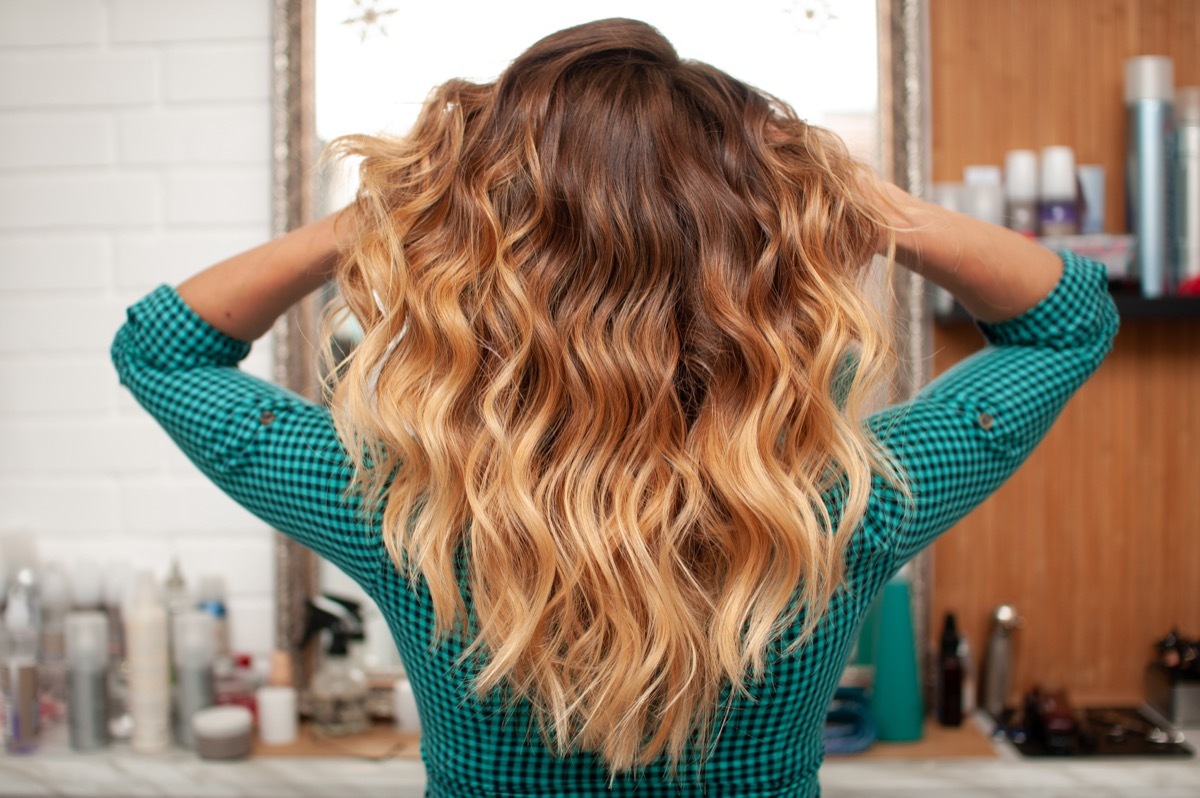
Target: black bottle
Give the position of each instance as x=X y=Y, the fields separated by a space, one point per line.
x=949 y=676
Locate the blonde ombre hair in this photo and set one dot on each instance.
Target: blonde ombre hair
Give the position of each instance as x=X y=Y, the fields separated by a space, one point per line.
x=609 y=302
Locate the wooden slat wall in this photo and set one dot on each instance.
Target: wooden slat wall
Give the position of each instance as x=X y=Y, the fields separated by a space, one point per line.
x=1097 y=539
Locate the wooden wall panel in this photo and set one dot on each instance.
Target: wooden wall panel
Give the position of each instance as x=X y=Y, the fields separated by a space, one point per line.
x=1096 y=540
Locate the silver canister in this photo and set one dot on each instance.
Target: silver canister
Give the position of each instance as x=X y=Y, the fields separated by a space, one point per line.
x=87 y=679
x=194 y=637
x=1187 y=181
x=1149 y=102
x=996 y=679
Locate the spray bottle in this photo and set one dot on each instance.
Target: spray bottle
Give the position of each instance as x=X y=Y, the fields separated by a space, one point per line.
x=194 y=651
x=149 y=668
x=87 y=679
x=19 y=676
x=339 y=688
x=1149 y=96
x=54 y=602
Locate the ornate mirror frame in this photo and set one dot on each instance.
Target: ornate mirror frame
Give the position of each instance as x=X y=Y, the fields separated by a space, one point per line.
x=905 y=156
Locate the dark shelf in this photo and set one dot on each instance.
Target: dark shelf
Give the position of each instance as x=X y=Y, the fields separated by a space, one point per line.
x=1129 y=305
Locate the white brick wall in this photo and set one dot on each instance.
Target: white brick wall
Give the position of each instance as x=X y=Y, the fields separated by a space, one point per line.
x=134 y=150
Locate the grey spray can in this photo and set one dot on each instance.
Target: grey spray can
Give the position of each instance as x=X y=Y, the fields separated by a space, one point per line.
x=1149 y=101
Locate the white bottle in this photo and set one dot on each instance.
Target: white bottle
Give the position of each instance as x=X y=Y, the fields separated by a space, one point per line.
x=1021 y=191
x=1058 y=196
x=87 y=586
x=19 y=675
x=1187 y=183
x=54 y=594
x=194 y=644
x=211 y=597
x=149 y=668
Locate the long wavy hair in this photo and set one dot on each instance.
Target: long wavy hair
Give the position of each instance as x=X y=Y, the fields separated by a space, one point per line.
x=616 y=351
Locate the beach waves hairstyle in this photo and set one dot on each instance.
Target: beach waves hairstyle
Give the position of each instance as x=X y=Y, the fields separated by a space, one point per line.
x=626 y=289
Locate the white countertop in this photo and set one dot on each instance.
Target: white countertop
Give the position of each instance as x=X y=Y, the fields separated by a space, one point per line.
x=117 y=772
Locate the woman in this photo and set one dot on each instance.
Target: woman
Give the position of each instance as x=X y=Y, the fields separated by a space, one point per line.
x=600 y=456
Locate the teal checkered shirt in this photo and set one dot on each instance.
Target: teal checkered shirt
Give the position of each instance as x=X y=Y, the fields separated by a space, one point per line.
x=278 y=456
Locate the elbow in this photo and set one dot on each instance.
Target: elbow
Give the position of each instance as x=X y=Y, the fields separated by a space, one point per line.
x=120 y=353
x=1108 y=322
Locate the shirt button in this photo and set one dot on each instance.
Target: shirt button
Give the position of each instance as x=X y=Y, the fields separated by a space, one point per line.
x=985 y=421
x=266 y=418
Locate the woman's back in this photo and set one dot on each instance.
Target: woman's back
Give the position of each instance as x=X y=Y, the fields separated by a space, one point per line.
x=608 y=304
x=622 y=513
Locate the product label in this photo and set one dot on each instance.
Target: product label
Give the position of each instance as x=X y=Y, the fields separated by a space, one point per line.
x=18 y=685
x=1059 y=219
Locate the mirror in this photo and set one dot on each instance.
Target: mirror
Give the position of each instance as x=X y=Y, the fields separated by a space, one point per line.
x=365 y=66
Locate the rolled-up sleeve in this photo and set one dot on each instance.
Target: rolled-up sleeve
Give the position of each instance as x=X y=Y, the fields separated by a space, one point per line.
x=272 y=451
x=971 y=428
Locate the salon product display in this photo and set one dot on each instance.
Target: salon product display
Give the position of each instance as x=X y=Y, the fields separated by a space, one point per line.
x=1047 y=725
x=1049 y=195
x=141 y=666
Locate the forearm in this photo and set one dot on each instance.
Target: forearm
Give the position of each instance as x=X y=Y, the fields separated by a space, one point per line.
x=244 y=295
x=995 y=273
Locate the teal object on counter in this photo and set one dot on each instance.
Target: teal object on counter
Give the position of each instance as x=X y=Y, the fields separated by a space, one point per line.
x=896 y=696
x=868 y=636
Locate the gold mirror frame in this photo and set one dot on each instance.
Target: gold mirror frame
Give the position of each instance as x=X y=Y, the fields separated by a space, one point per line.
x=905 y=156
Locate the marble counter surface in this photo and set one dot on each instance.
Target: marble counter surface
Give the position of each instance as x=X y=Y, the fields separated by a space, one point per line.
x=118 y=772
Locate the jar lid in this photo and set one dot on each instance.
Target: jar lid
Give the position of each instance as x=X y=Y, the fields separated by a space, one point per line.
x=222 y=722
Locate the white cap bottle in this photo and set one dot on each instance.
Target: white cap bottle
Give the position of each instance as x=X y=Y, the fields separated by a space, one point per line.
x=1021 y=191
x=87 y=586
x=149 y=669
x=1058 y=193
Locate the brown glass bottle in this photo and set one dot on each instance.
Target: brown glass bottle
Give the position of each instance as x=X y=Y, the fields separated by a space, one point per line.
x=949 y=676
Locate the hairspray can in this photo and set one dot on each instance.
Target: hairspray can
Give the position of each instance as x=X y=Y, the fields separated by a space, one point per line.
x=19 y=674
x=1187 y=182
x=1149 y=95
x=87 y=679
x=195 y=649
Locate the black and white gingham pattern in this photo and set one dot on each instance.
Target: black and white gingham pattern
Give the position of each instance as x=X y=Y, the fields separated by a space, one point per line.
x=958 y=441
